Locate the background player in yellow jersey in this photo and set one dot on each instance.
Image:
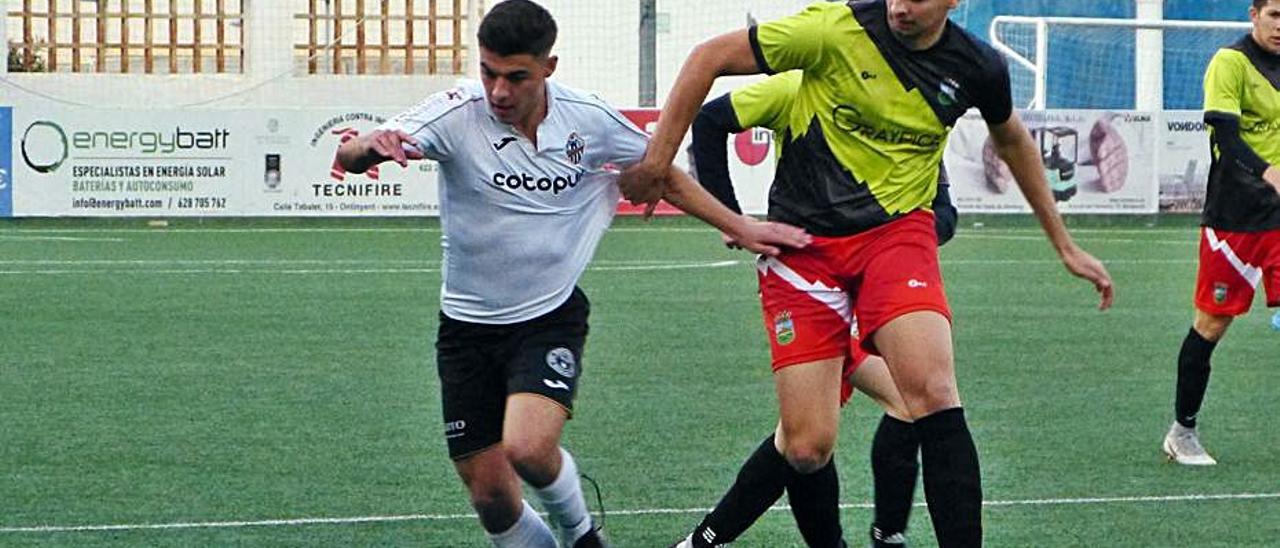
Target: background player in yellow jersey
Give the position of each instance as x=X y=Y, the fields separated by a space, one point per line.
x=884 y=81
x=895 y=448
x=1240 y=236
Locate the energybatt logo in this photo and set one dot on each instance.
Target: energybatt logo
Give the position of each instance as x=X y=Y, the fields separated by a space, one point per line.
x=46 y=144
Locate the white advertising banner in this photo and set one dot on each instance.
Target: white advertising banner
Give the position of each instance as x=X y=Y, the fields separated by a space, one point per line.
x=64 y=161
x=1094 y=162
x=295 y=172
x=1184 y=161
x=172 y=163
x=90 y=162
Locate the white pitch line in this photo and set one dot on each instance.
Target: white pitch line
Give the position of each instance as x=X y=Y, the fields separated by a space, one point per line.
x=154 y=262
x=635 y=512
x=973 y=236
x=272 y=262
x=300 y=230
x=428 y=268
x=328 y=271
x=24 y=238
x=1058 y=262
x=263 y=230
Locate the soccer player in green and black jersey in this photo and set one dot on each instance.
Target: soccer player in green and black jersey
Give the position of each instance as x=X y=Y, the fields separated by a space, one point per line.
x=883 y=82
x=894 y=449
x=1240 y=233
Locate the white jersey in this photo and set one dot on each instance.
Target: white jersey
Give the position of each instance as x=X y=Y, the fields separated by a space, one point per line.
x=520 y=223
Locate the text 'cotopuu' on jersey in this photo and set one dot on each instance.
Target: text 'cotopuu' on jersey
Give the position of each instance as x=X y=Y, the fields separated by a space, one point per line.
x=520 y=222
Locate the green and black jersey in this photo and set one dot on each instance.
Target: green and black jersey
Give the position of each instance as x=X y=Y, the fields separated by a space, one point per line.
x=863 y=141
x=1242 y=104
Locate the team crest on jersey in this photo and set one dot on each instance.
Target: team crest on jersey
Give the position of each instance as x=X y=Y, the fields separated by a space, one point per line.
x=575 y=147
x=1219 y=293
x=784 y=331
x=561 y=361
x=947 y=94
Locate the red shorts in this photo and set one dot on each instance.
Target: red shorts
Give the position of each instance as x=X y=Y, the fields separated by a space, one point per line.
x=810 y=296
x=1232 y=264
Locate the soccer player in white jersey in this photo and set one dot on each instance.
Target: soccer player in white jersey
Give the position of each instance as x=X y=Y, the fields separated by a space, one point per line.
x=527 y=189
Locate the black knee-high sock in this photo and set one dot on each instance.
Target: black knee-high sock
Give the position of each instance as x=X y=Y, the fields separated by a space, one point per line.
x=760 y=483
x=894 y=466
x=952 y=479
x=815 y=503
x=1193 y=377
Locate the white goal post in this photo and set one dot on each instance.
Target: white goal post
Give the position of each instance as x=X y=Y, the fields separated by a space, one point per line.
x=1148 y=45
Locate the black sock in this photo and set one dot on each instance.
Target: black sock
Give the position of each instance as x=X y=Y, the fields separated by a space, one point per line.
x=894 y=466
x=1193 y=377
x=952 y=479
x=760 y=483
x=815 y=503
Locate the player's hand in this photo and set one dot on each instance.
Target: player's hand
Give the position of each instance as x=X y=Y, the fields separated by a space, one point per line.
x=729 y=242
x=644 y=184
x=1084 y=265
x=396 y=146
x=768 y=238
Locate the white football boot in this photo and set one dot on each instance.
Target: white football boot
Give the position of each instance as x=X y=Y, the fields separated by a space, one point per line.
x=1182 y=445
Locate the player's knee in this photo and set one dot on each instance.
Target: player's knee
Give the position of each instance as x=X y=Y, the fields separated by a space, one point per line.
x=1212 y=327
x=932 y=396
x=529 y=455
x=493 y=500
x=896 y=408
x=809 y=457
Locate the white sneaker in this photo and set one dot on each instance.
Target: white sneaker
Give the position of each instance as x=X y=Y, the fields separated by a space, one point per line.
x=1182 y=445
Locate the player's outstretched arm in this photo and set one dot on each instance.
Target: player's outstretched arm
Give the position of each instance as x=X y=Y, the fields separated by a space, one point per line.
x=767 y=238
x=366 y=151
x=1014 y=145
x=726 y=54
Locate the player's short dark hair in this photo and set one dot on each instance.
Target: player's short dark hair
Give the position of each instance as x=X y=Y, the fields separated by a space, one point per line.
x=514 y=27
x=1257 y=4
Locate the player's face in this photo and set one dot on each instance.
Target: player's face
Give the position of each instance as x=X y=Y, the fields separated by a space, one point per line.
x=515 y=84
x=1266 y=26
x=913 y=18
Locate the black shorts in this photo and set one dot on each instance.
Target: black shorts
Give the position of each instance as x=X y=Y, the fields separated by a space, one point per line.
x=481 y=364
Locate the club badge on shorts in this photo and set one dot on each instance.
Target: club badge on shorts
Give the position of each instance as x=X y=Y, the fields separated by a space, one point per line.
x=783 y=329
x=1219 y=293
x=561 y=361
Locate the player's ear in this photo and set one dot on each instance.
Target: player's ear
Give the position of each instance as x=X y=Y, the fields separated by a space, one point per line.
x=550 y=64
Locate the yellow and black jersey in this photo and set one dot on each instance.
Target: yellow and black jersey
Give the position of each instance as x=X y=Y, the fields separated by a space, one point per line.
x=1242 y=104
x=863 y=140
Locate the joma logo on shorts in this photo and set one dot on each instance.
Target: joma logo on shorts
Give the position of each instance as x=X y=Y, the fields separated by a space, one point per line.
x=454 y=426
